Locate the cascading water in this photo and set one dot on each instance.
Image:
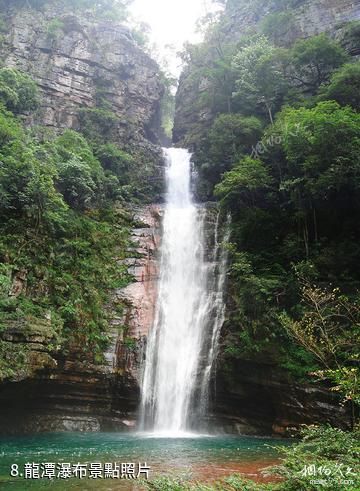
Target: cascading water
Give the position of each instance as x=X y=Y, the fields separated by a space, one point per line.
x=182 y=344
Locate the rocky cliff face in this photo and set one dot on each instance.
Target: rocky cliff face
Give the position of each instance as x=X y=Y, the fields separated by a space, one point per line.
x=309 y=17
x=79 y=61
x=66 y=393
x=258 y=398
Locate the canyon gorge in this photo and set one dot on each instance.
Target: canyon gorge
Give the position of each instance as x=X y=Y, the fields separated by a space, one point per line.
x=93 y=77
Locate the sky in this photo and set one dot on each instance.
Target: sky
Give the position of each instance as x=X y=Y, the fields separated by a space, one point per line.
x=172 y=22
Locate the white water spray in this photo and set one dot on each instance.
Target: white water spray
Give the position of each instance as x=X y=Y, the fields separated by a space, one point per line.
x=182 y=344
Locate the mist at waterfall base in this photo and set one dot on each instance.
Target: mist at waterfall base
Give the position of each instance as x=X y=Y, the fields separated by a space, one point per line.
x=182 y=344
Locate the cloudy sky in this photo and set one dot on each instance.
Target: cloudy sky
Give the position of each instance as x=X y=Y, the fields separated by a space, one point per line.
x=172 y=22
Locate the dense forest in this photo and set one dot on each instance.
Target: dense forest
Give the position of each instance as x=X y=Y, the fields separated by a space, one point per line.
x=278 y=146
x=273 y=123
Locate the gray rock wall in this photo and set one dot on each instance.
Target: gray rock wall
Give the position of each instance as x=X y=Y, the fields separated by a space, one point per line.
x=81 y=61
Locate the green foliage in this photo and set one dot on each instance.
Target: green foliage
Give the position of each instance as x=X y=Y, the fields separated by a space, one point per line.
x=328 y=326
x=313 y=60
x=98 y=125
x=345 y=380
x=230 y=137
x=280 y=209
x=298 y=362
x=80 y=177
x=318 y=163
x=12 y=359
x=76 y=183
x=72 y=270
x=231 y=483
x=168 y=104
x=259 y=79
x=141 y=34
x=102 y=9
x=18 y=92
x=58 y=230
x=55 y=28
x=212 y=72
x=277 y=25
x=344 y=86
x=330 y=453
x=295 y=195
x=82 y=274
x=26 y=181
x=130 y=343
x=3 y=31
x=350 y=37
x=113 y=159
x=3 y=26
x=244 y=184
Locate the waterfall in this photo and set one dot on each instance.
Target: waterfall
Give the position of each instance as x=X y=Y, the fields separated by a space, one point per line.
x=181 y=346
x=220 y=257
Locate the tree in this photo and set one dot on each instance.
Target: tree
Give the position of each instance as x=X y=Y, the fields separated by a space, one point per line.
x=312 y=61
x=245 y=184
x=313 y=142
x=329 y=326
x=230 y=137
x=76 y=183
x=314 y=168
x=329 y=329
x=18 y=91
x=276 y=26
x=27 y=175
x=117 y=161
x=259 y=78
x=71 y=143
x=98 y=125
x=211 y=70
x=80 y=176
x=344 y=86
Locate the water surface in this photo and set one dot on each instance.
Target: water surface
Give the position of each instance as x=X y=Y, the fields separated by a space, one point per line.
x=199 y=458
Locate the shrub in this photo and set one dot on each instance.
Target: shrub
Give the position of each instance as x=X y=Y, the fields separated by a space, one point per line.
x=18 y=92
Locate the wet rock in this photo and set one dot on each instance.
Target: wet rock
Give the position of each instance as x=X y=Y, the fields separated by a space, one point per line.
x=261 y=399
x=18 y=283
x=140 y=296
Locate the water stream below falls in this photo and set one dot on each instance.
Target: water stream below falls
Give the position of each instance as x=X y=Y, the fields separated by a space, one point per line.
x=197 y=459
x=182 y=344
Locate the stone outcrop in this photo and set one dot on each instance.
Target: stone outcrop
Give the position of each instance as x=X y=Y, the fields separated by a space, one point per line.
x=255 y=398
x=141 y=294
x=66 y=393
x=139 y=297
x=77 y=61
x=72 y=397
x=309 y=17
